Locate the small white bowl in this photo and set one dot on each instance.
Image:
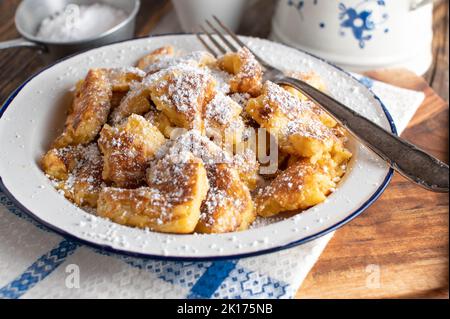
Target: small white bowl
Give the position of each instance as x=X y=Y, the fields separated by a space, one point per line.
x=32 y=116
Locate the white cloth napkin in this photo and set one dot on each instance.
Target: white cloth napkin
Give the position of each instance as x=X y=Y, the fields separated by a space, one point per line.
x=36 y=263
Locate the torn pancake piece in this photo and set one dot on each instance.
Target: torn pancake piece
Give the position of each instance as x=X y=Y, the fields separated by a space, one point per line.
x=128 y=149
x=171 y=202
x=89 y=111
x=228 y=206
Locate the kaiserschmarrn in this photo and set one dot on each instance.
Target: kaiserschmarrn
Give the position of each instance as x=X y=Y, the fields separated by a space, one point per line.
x=174 y=144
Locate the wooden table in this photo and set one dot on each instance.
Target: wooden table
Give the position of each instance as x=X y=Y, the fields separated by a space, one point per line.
x=404 y=235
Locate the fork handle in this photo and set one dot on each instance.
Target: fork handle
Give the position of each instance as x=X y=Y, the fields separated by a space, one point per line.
x=410 y=161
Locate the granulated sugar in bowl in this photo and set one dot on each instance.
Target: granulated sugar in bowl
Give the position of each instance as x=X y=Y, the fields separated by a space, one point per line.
x=79 y=22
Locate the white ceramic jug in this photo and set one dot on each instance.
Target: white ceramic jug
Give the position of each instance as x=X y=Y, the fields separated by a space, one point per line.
x=359 y=35
x=192 y=13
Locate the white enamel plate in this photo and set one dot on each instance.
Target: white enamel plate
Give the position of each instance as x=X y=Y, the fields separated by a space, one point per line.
x=35 y=113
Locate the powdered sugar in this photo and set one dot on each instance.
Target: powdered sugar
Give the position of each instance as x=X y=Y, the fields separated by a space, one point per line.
x=289 y=105
x=194 y=59
x=222 y=109
x=76 y=22
x=308 y=127
x=222 y=80
x=192 y=142
x=241 y=98
x=182 y=87
x=251 y=67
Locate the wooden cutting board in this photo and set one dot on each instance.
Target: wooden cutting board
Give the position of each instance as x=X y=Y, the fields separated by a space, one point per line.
x=398 y=248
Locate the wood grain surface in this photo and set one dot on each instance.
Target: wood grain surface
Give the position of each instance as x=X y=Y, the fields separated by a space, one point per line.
x=402 y=240
x=404 y=235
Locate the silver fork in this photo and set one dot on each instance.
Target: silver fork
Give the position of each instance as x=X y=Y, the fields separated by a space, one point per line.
x=407 y=159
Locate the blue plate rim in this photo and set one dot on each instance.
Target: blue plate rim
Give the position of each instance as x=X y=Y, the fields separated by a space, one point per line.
x=110 y=249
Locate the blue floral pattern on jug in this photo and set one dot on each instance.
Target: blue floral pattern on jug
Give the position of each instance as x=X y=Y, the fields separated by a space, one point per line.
x=300 y=5
x=362 y=19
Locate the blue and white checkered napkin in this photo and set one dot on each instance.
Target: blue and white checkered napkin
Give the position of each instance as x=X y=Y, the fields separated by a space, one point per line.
x=36 y=263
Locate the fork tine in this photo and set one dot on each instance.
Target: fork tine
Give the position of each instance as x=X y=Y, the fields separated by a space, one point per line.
x=235 y=38
x=228 y=30
x=222 y=37
x=206 y=45
x=214 y=41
